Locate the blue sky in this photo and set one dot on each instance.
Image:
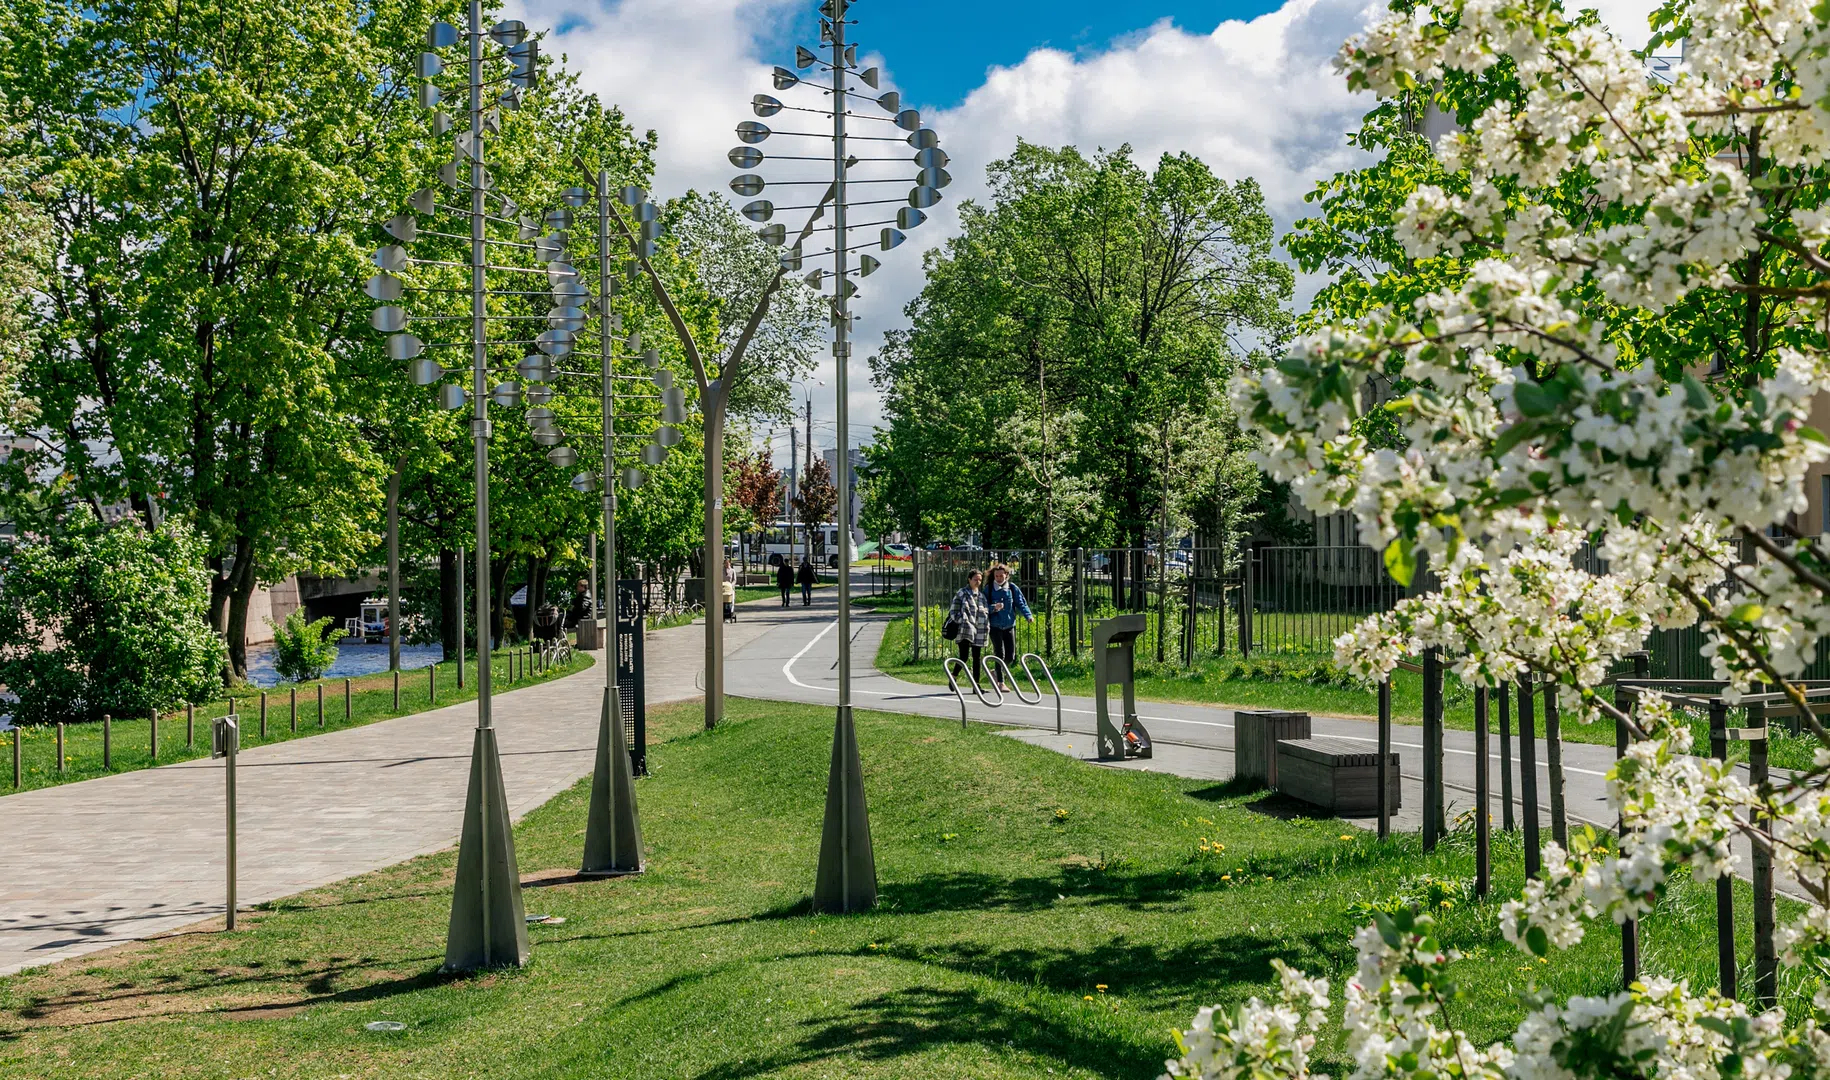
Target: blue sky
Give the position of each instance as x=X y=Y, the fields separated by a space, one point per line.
x=940 y=50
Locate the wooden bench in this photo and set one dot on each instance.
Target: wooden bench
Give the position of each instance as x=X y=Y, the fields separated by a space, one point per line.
x=1339 y=775
x=1256 y=733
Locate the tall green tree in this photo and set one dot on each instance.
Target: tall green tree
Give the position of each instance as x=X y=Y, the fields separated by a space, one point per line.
x=207 y=170
x=1072 y=339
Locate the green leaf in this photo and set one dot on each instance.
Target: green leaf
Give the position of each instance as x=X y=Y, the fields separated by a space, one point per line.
x=1533 y=400
x=1401 y=561
x=1515 y=435
x=1747 y=612
x=1537 y=942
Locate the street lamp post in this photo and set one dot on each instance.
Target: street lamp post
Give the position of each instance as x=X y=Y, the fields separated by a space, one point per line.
x=847 y=876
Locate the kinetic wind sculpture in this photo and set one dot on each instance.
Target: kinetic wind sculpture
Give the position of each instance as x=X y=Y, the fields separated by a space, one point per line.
x=847 y=879
x=613 y=833
x=488 y=927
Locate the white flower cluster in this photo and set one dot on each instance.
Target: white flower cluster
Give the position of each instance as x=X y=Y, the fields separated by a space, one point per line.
x=1392 y=1023
x=1537 y=419
x=1255 y=1041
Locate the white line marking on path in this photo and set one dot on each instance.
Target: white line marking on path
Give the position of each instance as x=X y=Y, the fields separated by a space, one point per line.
x=788 y=670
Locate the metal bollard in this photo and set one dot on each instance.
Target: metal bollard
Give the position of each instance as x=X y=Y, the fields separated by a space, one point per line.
x=432 y=684
x=320 y=705
x=190 y=725
x=60 y=746
x=263 y=714
x=294 y=703
x=18 y=758
x=396 y=689
x=346 y=706
x=153 y=736
x=107 y=741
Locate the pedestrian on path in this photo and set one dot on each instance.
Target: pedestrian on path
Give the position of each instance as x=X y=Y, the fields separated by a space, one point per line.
x=806 y=577
x=973 y=618
x=1004 y=598
x=784 y=579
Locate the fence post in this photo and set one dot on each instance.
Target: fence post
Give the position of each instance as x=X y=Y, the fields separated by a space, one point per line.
x=107 y=742
x=293 y=704
x=152 y=714
x=346 y=704
x=1629 y=930
x=432 y=684
x=1483 y=839
x=1553 y=760
x=1506 y=820
x=396 y=689
x=1528 y=778
x=1078 y=623
x=1432 y=749
x=18 y=757
x=1766 y=961
x=1048 y=587
x=1725 y=885
x=190 y=725
x=320 y=704
x=1246 y=602
x=1188 y=624
x=263 y=714
x=1385 y=755
x=60 y=746
x=918 y=594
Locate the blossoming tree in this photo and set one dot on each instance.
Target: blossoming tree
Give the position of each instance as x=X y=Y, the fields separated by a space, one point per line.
x=1599 y=213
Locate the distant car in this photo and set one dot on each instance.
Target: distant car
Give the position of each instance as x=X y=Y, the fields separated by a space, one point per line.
x=901 y=551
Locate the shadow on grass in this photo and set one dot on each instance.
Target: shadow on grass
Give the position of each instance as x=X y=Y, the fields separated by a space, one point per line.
x=1118 y=882
x=915 y=1020
x=1228 y=790
x=129 y=1001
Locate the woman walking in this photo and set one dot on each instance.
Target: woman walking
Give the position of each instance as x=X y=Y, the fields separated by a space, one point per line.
x=1004 y=599
x=806 y=577
x=784 y=579
x=973 y=619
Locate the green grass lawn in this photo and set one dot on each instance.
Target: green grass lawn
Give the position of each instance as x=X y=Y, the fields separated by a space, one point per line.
x=1312 y=684
x=371 y=698
x=1039 y=918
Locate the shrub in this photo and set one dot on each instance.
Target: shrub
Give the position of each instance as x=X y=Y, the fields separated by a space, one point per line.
x=304 y=650
x=106 y=619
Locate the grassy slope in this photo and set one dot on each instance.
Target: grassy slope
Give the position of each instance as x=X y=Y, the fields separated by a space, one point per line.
x=1039 y=918
x=371 y=699
x=1303 y=684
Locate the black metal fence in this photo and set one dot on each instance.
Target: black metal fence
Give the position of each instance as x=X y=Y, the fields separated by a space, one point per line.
x=1205 y=601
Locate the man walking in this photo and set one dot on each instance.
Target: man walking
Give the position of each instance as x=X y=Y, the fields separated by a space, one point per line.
x=784 y=579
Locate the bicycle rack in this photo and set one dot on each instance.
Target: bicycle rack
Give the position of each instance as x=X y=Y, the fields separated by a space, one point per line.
x=1016 y=688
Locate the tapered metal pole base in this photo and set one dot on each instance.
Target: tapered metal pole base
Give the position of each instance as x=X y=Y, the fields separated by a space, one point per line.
x=613 y=831
x=488 y=923
x=847 y=878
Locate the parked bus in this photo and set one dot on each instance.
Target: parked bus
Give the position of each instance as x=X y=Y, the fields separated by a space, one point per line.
x=829 y=543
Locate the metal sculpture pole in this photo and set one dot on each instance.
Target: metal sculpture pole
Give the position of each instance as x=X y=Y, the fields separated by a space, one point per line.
x=613 y=831
x=847 y=877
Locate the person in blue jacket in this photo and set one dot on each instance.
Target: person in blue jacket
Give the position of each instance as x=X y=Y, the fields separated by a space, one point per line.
x=1005 y=599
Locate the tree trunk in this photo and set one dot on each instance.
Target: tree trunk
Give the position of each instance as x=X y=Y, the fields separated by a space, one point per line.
x=498 y=594
x=449 y=601
x=241 y=590
x=713 y=556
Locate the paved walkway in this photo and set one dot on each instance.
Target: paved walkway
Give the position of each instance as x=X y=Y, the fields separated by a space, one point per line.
x=96 y=863
x=798 y=661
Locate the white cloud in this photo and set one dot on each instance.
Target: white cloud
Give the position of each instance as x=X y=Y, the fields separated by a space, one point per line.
x=1253 y=98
